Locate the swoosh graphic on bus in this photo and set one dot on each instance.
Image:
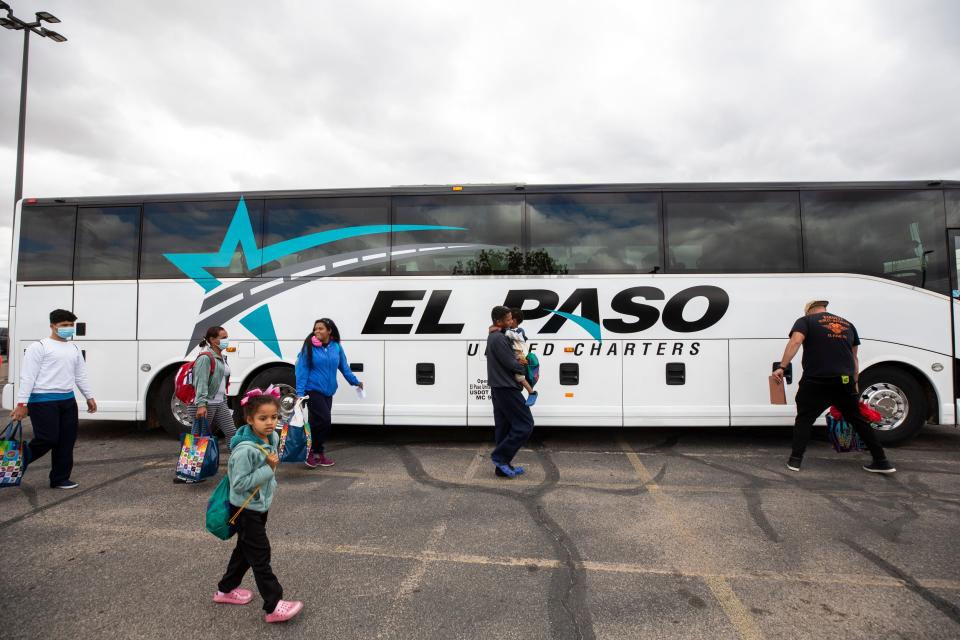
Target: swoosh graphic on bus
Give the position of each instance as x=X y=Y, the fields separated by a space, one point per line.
x=253 y=291
x=590 y=326
x=238 y=298
x=240 y=233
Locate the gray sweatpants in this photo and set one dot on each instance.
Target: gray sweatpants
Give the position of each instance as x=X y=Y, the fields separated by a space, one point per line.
x=219 y=416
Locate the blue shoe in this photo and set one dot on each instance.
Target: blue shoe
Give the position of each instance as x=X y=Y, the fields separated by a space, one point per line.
x=504 y=470
x=518 y=470
x=532 y=399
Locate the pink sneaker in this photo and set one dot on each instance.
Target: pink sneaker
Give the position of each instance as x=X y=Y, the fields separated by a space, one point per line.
x=324 y=461
x=285 y=610
x=311 y=461
x=237 y=596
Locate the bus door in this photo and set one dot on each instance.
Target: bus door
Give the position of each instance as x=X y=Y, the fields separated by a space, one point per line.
x=31 y=321
x=107 y=335
x=954 y=251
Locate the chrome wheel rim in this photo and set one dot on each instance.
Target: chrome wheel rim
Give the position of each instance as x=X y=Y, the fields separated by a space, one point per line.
x=288 y=398
x=180 y=412
x=889 y=401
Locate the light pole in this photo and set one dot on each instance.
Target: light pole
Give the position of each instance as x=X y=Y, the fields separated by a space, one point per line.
x=16 y=24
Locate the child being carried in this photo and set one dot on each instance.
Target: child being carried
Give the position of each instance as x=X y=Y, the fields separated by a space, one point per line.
x=518 y=339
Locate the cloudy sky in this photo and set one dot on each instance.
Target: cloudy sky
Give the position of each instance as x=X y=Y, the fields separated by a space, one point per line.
x=180 y=96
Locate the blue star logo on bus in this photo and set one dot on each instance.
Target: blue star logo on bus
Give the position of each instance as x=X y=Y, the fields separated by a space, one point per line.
x=253 y=291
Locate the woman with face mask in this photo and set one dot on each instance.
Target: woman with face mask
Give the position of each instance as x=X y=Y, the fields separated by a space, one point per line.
x=317 y=365
x=211 y=377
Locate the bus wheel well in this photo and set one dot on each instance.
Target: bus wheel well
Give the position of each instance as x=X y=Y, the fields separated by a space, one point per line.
x=153 y=420
x=255 y=372
x=933 y=413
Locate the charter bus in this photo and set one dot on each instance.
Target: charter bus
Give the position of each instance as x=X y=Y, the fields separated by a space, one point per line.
x=647 y=304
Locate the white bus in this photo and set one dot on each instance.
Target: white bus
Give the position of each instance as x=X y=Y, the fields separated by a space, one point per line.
x=648 y=304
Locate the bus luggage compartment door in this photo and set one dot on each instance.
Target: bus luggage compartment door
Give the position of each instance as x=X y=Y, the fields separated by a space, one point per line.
x=366 y=362
x=425 y=383
x=579 y=383
x=676 y=383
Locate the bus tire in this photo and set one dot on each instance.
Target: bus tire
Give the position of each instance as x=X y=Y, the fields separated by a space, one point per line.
x=163 y=408
x=898 y=396
x=280 y=376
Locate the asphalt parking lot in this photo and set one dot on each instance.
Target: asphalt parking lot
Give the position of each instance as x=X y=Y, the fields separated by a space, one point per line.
x=610 y=534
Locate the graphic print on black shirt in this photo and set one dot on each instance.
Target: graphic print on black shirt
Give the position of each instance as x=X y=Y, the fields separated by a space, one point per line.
x=827 y=346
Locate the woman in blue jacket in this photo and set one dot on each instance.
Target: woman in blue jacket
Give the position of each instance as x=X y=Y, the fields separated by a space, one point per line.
x=317 y=365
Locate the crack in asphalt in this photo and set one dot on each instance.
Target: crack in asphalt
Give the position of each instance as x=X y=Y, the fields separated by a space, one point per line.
x=572 y=618
x=944 y=606
x=74 y=496
x=752 y=493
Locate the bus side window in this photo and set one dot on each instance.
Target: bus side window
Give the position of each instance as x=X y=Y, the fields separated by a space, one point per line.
x=46 y=243
x=890 y=234
x=108 y=242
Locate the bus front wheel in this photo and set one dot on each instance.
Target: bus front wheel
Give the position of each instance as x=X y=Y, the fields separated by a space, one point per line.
x=171 y=412
x=899 y=398
x=282 y=377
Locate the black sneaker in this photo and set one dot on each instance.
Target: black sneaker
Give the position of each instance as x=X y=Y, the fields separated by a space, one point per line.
x=794 y=463
x=879 y=466
x=66 y=484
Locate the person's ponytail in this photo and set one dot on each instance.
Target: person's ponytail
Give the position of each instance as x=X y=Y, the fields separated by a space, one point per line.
x=212 y=333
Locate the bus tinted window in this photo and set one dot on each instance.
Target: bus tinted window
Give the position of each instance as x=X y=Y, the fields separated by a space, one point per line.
x=596 y=232
x=487 y=238
x=893 y=234
x=294 y=219
x=108 y=240
x=46 y=243
x=953 y=208
x=753 y=232
x=197 y=227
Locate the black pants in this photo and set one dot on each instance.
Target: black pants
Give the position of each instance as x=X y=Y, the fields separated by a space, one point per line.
x=814 y=397
x=252 y=552
x=55 y=430
x=318 y=409
x=512 y=423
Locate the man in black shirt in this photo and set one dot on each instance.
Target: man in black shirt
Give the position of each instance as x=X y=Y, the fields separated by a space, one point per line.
x=830 y=371
x=513 y=422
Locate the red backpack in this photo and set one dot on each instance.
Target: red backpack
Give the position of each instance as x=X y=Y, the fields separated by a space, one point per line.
x=183 y=382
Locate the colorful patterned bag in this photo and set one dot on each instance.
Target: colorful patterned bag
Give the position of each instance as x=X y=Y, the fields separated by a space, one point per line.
x=199 y=453
x=12 y=455
x=295 y=436
x=841 y=434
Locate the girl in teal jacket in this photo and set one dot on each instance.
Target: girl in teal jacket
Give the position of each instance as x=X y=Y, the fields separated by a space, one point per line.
x=252 y=468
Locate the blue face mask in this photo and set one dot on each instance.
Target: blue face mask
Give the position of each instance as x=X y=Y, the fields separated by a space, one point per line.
x=66 y=332
x=224 y=343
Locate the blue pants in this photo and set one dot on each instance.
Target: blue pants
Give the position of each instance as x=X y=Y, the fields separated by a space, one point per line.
x=319 y=407
x=512 y=423
x=54 y=429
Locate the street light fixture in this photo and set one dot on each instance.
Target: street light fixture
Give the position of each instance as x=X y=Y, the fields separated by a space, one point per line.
x=16 y=24
x=43 y=16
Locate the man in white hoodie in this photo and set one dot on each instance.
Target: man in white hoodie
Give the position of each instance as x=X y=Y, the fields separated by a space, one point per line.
x=50 y=370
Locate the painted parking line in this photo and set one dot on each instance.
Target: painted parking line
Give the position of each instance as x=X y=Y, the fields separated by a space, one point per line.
x=469 y=479
x=517 y=562
x=733 y=607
